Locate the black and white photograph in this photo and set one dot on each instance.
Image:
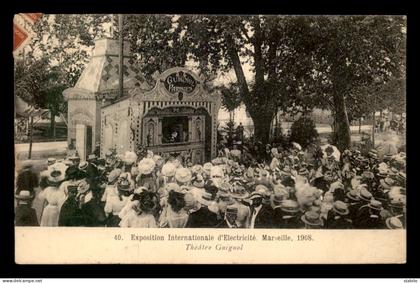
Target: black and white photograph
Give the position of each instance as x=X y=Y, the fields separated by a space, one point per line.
x=210 y=121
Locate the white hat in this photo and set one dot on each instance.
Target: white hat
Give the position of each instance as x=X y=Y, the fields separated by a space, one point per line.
x=216 y=171
x=129 y=157
x=146 y=166
x=168 y=169
x=183 y=175
x=207 y=167
x=24 y=195
x=205 y=198
x=296 y=145
x=56 y=172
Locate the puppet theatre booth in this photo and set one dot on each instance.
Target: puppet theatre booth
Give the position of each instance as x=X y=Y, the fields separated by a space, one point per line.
x=177 y=116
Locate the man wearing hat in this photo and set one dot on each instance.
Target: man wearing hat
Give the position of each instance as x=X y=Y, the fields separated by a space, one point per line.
x=25 y=215
x=229 y=219
x=262 y=213
x=276 y=201
x=353 y=203
x=90 y=212
x=312 y=220
x=338 y=217
x=203 y=217
x=368 y=216
x=290 y=218
x=26 y=179
x=264 y=180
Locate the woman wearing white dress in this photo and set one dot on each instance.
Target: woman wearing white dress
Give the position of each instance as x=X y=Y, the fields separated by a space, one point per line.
x=141 y=216
x=116 y=201
x=53 y=196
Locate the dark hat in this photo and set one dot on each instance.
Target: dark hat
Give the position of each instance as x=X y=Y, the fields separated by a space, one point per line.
x=329 y=149
x=72 y=172
x=312 y=218
x=123 y=185
x=148 y=201
x=340 y=208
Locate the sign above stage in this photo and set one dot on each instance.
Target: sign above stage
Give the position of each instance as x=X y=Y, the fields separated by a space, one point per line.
x=180 y=82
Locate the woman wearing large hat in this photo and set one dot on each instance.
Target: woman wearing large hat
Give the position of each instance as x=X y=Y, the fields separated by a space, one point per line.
x=183 y=176
x=142 y=214
x=146 y=178
x=174 y=215
x=53 y=196
x=69 y=209
x=116 y=201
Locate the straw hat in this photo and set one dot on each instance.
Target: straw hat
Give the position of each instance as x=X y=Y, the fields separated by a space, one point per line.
x=375 y=204
x=113 y=175
x=353 y=195
x=83 y=165
x=365 y=195
x=25 y=195
x=216 y=171
x=296 y=146
x=239 y=192
x=129 y=157
x=198 y=169
x=146 y=166
x=340 y=208
x=312 y=218
x=198 y=181
x=207 y=168
x=336 y=185
x=289 y=205
x=387 y=183
x=168 y=169
x=183 y=175
x=394 y=223
x=205 y=198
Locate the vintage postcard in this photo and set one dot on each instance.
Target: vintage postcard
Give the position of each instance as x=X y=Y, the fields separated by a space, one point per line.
x=210 y=139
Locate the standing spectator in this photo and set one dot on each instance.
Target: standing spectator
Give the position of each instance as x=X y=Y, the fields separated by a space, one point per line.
x=26 y=180
x=25 y=215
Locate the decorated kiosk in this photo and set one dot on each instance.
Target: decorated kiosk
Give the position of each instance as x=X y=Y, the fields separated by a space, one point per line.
x=178 y=117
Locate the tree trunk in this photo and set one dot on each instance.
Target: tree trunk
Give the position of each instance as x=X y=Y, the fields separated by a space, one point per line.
x=342 y=127
x=52 y=126
x=31 y=129
x=262 y=123
x=360 y=125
